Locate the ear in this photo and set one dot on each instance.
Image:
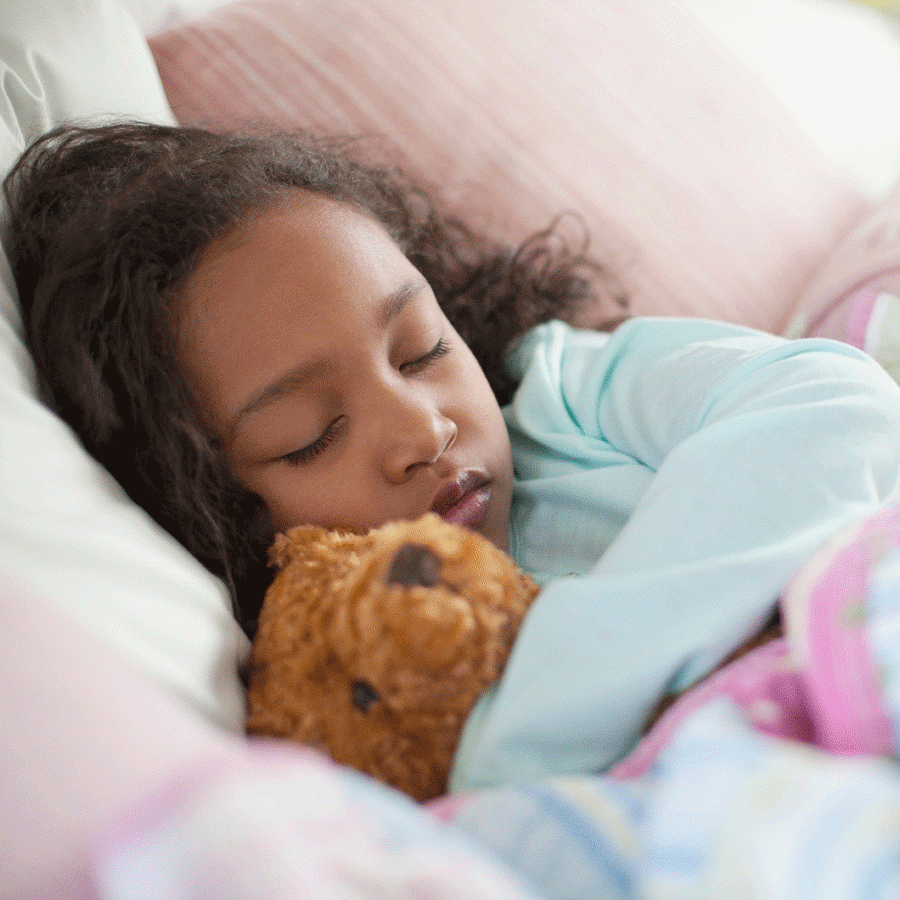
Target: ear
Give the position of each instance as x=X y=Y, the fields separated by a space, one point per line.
x=324 y=553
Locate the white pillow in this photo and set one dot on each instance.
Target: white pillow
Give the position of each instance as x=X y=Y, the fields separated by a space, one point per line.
x=67 y=530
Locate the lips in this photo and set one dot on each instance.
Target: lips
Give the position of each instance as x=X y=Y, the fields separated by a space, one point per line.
x=464 y=500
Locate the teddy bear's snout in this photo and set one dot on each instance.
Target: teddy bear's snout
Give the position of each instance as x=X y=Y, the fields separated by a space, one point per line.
x=414 y=565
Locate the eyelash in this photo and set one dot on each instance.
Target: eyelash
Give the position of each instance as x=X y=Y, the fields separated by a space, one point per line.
x=441 y=348
x=310 y=452
x=320 y=444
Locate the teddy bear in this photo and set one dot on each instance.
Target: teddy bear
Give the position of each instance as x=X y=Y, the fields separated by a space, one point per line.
x=374 y=647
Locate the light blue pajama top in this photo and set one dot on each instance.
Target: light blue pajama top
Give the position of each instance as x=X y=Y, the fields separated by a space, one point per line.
x=669 y=480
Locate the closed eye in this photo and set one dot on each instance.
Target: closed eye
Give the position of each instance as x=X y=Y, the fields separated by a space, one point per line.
x=308 y=453
x=319 y=445
x=441 y=348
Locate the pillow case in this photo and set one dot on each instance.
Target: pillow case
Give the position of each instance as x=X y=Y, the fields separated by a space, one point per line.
x=701 y=193
x=68 y=533
x=855 y=296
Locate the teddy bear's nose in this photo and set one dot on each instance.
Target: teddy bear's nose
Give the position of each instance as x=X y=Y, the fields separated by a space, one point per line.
x=414 y=565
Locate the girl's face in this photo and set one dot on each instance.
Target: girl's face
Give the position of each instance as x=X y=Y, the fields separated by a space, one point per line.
x=320 y=358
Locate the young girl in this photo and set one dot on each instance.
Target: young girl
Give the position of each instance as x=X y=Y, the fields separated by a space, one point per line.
x=251 y=333
x=107 y=225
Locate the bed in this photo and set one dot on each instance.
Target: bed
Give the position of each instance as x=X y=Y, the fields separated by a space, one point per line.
x=733 y=159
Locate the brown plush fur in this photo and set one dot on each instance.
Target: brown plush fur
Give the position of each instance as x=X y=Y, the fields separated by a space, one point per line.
x=374 y=647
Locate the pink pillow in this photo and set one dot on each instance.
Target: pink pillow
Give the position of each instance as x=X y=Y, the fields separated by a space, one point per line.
x=855 y=296
x=699 y=190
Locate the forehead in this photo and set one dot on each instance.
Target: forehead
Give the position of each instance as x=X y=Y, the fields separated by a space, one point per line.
x=296 y=257
x=302 y=226
x=294 y=280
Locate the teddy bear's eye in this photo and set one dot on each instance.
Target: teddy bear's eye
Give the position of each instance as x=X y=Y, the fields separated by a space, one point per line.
x=364 y=696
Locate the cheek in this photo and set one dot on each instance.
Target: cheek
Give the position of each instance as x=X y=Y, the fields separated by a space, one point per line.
x=282 y=512
x=279 y=489
x=313 y=496
x=495 y=434
x=290 y=500
x=484 y=411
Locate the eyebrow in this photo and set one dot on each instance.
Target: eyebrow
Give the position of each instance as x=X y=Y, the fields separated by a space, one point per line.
x=395 y=302
x=297 y=378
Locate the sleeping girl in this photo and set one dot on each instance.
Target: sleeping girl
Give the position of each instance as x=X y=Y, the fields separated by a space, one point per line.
x=256 y=332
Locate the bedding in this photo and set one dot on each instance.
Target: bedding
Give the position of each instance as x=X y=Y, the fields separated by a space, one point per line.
x=855 y=295
x=651 y=146
x=67 y=531
x=726 y=796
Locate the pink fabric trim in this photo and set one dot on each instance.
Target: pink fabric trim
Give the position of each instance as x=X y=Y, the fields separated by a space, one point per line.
x=860 y=315
x=833 y=641
x=763 y=682
x=820 y=683
x=867 y=259
x=447 y=807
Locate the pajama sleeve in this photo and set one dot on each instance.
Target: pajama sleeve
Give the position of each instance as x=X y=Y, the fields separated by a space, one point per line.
x=748 y=451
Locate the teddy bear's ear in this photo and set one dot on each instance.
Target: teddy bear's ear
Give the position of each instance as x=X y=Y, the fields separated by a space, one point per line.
x=296 y=542
x=312 y=562
x=320 y=547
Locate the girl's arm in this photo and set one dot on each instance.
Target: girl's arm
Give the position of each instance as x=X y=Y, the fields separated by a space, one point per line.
x=730 y=455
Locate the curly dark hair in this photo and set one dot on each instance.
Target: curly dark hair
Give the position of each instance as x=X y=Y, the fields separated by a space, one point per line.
x=107 y=221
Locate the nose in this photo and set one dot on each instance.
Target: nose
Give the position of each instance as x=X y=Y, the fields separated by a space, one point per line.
x=414 y=565
x=416 y=435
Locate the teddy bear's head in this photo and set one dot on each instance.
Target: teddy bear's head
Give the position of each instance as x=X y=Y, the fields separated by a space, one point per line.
x=374 y=647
